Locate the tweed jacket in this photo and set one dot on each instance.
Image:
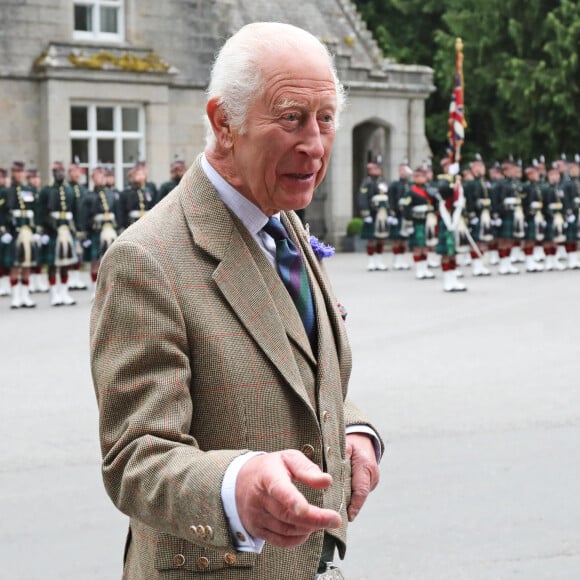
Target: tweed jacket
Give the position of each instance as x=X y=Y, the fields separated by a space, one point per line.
x=198 y=354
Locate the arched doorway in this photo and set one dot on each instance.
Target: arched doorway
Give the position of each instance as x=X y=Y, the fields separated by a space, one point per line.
x=371 y=140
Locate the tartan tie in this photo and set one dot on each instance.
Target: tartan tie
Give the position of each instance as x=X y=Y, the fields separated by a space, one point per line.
x=293 y=273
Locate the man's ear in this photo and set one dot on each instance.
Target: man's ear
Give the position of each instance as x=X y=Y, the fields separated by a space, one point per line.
x=219 y=122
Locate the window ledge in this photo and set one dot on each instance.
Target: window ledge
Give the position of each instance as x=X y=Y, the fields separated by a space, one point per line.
x=103 y=58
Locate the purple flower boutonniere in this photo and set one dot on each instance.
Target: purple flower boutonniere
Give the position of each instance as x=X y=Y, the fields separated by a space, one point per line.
x=321 y=249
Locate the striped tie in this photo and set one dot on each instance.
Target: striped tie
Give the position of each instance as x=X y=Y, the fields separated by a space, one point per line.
x=293 y=273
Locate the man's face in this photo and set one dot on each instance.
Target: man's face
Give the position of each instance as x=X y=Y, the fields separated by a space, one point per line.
x=554 y=176
x=284 y=152
x=74 y=174
x=478 y=168
x=18 y=176
x=58 y=173
x=419 y=177
x=574 y=170
x=98 y=178
x=138 y=177
x=177 y=171
x=33 y=180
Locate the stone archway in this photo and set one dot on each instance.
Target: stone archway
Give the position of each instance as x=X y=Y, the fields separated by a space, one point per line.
x=370 y=139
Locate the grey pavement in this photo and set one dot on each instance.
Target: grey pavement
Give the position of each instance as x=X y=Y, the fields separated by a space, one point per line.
x=477 y=396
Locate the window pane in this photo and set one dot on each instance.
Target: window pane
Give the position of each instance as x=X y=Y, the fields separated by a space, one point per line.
x=130 y=150
x=109 y=20
x=78 y=119
x=106 y=150
x=104 y=118
x=80 y=149
x=84 y=18
x=130 y=119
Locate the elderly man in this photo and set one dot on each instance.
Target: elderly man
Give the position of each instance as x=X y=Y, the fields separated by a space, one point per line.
x=219 y=354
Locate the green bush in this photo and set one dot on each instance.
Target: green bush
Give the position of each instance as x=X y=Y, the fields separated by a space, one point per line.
x=354 y=227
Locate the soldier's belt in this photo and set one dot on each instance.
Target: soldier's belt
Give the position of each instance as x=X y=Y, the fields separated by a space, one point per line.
x=555 y=206
x=101 y=219
x=19 y=213
x=136 y=214
x=61 y=215
x=484 y=202
x=535 y=205
x=511 y=202
x=420 y=211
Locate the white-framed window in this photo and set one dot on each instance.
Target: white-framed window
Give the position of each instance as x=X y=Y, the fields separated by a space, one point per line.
x=107 y=135
x=99 y=20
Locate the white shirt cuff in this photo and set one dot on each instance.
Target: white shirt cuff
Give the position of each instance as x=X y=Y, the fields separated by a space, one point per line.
x=368 y=431
x=241 y=539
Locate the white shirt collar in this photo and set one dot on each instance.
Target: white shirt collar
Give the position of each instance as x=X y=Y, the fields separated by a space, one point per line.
x=253 y=218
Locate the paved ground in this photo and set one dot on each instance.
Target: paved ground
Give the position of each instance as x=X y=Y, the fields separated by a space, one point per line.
x=476 y=394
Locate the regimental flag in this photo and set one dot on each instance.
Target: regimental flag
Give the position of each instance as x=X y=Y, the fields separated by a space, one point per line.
x=456 y=121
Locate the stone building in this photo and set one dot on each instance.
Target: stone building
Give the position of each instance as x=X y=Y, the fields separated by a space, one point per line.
x=115 y=81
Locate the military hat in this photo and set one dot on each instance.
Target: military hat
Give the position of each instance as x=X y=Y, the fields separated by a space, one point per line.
x=57 y=165
x=18 y=166
x=32 y=172
x=3 y=172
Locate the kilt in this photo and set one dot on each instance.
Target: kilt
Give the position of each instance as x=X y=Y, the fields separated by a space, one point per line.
x=572 y=232
x=549 y=232
x=48 y=252
x=7 y=254
x=368 y=230
x=506 y=229
x=445 y=241
x=418 y=238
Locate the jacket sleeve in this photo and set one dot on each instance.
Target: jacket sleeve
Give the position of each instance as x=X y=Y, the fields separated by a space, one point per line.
x=153 y=469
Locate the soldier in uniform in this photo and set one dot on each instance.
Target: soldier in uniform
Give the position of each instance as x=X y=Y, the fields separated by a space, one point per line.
x=478 y=207
x=21 y=235
x=4 y=253
x=419 y=222
x=397 y=191
x=102 y=222
x=535 y=221
x=451 y=202
x=38 y=278
x=149 y=185
x=553 y=200
x=57 y=216
x=137 y=199
x=176 y=171
x=572 y=205
x=507 y=215
x=373 y=204
x=81 y=192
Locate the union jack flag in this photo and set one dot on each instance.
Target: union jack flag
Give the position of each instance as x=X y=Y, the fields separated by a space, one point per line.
x=456 y=120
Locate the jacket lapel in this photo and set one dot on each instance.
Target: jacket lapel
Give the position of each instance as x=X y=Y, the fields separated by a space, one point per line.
x=263 y=306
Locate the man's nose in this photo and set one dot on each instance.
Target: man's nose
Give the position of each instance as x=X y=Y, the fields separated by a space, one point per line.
x=311 y=141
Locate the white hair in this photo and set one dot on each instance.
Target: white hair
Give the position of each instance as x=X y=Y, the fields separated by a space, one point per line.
x=236 y=78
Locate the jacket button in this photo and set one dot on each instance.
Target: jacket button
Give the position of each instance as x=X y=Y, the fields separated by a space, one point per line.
x=325 y=415
x=308 y=451
x=179 y=560
x=203 y=562
x=193 y=530
x=329 y=452
x=230 y=558
x=201 y=531
x=209 y=532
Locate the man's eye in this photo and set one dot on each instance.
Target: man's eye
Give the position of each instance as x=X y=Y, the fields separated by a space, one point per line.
x=291 y=117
